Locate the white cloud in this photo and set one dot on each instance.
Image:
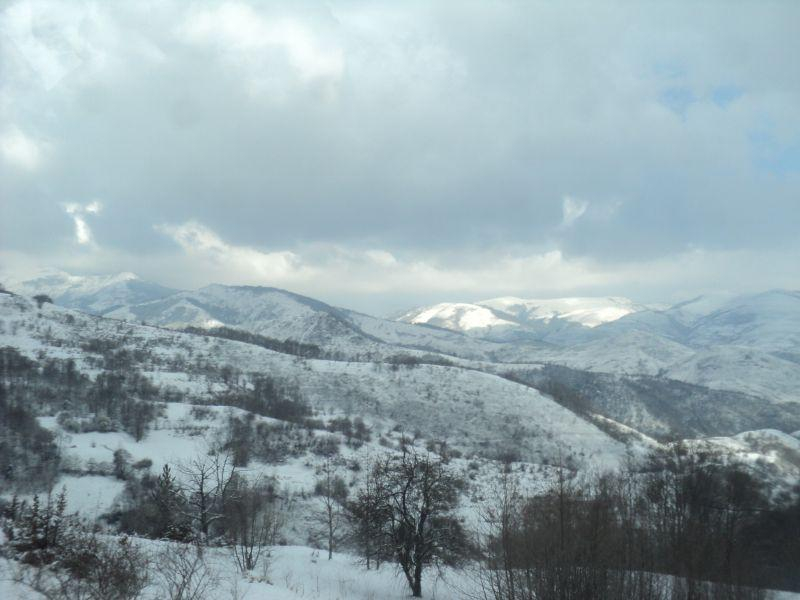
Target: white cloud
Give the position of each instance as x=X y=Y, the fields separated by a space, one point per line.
x=247 y=264
x=83 y=233
x=257 y=43
x=21 y=150
x=435 y=143
x=333 y=272
x=381 y=257
x=324 y=269
x=572 y=210
x=94 y=207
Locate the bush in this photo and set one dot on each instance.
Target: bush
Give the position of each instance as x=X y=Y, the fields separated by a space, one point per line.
x=62 y=558
x=145 y=463
x=42 y=299
x=326 y=445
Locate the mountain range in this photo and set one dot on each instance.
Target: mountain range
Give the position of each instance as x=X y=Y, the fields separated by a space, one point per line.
x=743 y=350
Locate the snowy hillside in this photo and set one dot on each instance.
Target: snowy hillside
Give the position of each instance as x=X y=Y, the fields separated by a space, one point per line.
x=741 y=368
x=769 y=321
x=478 y=411
x=767 y=450
x=627 y=353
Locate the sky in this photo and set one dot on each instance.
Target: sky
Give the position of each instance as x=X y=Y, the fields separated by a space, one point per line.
x=382 y=155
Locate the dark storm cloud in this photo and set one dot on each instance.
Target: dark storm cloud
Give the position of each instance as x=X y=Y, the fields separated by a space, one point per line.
x=454 y=138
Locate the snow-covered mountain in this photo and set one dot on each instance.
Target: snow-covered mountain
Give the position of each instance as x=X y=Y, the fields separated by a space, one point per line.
x=516 y=319
x=472 y=319
x=470 y=405
x=280 y=314
x=97 y=294
x=748 y=344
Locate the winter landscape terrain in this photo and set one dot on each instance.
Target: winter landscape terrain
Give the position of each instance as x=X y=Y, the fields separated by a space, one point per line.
x=126 y=387
x=374 y=300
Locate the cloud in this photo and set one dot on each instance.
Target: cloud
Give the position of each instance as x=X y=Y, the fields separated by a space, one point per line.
x=258 y=43
x=93 y=207
x=425 y=142
x=21 y=150
x=201 y=243
x=381 y=257
x=83 y=234
x=572 y=209
x=339 y=274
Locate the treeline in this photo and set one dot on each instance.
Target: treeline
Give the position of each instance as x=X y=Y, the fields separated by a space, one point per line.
x=306 y=350
x=682 y=528
x=29 y=456
x=268 y=397
x=119 y=399
x=284 y=346
x=208 y=501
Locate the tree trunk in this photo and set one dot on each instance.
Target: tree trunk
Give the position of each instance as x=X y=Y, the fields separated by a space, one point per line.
x=416 y=588
x=330 y=537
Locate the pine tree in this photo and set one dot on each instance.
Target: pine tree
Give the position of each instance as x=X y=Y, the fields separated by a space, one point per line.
x=169 y=504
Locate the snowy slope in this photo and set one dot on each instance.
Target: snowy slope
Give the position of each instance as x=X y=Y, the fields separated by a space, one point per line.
x=627 y=353
x=423 y=337
x=702 y=341
x=774 y=453
x=769 y=321
x=743 y=369
x=478 y=411
x=284 y=315
x=266 y=311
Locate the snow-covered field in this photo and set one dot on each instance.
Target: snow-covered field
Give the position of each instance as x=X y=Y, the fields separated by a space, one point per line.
x=301 y=573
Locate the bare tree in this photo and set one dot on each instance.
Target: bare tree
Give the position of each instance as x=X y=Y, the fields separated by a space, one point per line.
x=184 y=573
x=207 y=484
x=252 y=521
x=333 y=492
x=42 y=299
x=367 y=514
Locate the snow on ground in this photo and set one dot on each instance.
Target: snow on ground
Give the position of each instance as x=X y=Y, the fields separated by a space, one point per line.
x=300 y=573
x=292 y=573
x=89 y=495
